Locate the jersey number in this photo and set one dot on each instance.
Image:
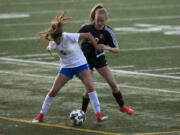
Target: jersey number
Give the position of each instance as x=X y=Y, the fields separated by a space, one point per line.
x=62 y=52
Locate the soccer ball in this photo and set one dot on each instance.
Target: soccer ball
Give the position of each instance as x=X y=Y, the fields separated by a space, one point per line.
x=77 y=117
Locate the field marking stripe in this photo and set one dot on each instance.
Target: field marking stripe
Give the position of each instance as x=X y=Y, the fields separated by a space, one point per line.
x=29 y=55
x=98 y=83
x=121 y=50
x=159 y=69
x=38 y=2
x=122 y=7
x=29 y=61
x=125 y=66
x=60 y=126
x=115 y=8
x=140 y=88
x=144 y=18
x=116 y=71
x=146 y=74
x=84 y=130
x=172 y=73
x=19 y=39
x=83 y=21
x=154 y=48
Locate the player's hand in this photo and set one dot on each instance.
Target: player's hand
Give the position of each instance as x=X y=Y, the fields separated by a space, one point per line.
x=98 y=48
x=49 y=51
x=102 y=46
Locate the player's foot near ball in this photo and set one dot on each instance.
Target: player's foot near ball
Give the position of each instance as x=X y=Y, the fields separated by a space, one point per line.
x=39 y=118
x=100 y=117
x=126 y=109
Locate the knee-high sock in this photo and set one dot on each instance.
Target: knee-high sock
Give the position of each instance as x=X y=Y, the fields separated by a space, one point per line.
x=85 y=102
x=46 y=104
x=119 y=98
x=94 y=101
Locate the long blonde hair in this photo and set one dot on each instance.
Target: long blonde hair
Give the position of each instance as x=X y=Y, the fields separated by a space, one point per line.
x=93 y=12
x=56 y=28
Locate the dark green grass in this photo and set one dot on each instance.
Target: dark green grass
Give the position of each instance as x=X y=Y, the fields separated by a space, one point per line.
x=21 y=96
x=155 y=111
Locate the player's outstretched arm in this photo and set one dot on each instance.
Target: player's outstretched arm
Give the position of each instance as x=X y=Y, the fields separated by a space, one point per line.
x=108 y=48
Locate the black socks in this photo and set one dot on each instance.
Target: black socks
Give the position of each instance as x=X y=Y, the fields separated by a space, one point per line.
x=119 y=98
x=85 y=103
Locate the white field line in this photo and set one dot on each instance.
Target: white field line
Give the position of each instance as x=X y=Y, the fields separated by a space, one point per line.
x=36 y=23
x=158 y=69
x=40 y=2
x=12 y=15
x=126 y=66
x=96 y=83
x=116 y=71
x=83 y=21
x=30 y=55
x=42 y=58
x=50 y=57
x=144 y=18
x=56 y=11
x=146 y=49
x=145 y=7
x=174 y=73
x=113 y=67
x=135 y=32
x=25 y=24
x=122 y=50
x=146 y=74
x=87 y=9
x=29 y=61
x=19 y=39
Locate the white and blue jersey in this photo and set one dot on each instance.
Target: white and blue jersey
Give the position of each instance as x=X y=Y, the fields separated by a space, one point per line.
x=69 y=50
x=71 y=55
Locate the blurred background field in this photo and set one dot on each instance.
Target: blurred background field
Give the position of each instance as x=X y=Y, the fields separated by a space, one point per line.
x=147 y=68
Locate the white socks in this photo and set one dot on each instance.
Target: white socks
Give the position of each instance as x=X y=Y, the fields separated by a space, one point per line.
x=92 y=95
x=47 y=103
x=94 y=101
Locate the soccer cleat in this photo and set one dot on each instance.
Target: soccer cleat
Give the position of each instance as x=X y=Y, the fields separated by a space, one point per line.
x=126 y=109
x=39 y=118
x=100 y=117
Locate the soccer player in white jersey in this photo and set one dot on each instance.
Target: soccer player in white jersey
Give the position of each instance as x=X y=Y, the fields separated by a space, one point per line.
x=72 y=61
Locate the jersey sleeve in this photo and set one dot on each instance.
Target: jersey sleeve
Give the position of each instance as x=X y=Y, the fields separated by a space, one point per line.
x=74 y=37
x=112 y=42
x=82 y=29
x=52 y=45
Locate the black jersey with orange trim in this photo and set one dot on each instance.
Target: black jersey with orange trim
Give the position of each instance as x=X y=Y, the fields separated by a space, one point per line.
x=104 y=36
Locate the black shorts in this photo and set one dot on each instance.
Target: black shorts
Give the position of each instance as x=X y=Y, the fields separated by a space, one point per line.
x=92 y=60
x=96 y=63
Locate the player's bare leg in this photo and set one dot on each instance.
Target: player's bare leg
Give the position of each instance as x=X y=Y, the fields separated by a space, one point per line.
x=86 y=78
x=107 y=75
x=60 y=81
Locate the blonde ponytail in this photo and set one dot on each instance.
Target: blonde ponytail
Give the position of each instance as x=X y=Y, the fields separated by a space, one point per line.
x=56 y=28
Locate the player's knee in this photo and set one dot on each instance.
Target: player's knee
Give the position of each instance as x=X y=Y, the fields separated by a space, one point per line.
x=89 y=86
x=90 y=90
x=85 y=94
x=53 y=92
x=114 y=87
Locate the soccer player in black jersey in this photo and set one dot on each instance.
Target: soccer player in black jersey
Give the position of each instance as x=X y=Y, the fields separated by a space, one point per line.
x=96 y=59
